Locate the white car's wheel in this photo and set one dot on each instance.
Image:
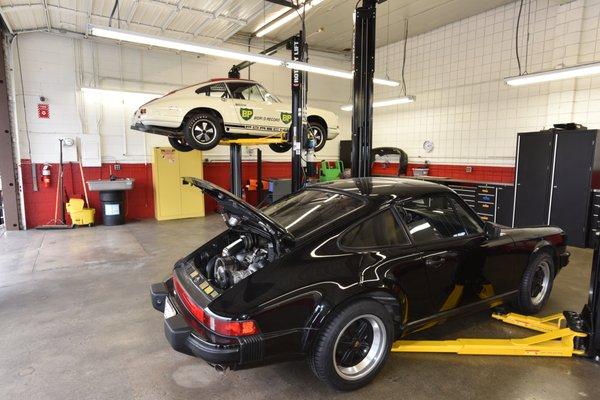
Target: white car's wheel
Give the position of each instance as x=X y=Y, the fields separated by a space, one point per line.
x=317 y=132
x=203 y=131
x=179 y=144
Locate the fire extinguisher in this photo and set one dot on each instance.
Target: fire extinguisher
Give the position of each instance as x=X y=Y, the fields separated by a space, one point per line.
x=46 y=175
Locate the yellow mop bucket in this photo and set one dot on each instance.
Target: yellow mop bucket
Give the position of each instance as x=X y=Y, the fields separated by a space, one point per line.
x=79 y=214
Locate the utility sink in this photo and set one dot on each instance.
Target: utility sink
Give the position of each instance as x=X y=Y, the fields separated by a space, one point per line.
x=108 y=185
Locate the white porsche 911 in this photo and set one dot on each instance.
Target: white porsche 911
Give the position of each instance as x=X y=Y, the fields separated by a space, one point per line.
x=199 y=116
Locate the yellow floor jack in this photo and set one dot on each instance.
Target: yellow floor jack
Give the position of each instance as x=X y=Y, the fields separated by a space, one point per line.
x=562 y=335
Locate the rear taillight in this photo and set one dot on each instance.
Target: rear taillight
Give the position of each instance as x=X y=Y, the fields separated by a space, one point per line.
x=221 y=326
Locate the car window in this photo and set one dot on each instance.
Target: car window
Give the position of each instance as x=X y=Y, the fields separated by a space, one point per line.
x=216 y=90
x=437 y=217
x=245 y=91
x=309 y=209
x=268 y=96
x=378 y=231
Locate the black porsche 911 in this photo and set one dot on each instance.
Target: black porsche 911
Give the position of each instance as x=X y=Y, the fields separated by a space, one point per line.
x=337 y=271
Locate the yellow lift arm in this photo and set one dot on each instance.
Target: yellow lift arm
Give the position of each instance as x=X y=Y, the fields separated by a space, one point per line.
x=556 y=340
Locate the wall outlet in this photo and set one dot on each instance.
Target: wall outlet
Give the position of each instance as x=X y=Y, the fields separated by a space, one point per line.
x=469 y=169
x=117 y=167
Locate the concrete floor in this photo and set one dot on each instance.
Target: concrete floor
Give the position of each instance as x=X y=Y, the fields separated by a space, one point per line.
x=76 y=323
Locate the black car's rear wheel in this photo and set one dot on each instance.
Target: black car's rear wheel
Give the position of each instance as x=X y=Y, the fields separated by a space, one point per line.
x=352 y=347
x=536 y=284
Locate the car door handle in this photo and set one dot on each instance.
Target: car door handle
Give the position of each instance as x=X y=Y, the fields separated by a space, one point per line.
x=435 y=261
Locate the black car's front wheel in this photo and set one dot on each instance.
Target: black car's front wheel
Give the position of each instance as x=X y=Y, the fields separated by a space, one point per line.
x=353 y=346
x=536 y=284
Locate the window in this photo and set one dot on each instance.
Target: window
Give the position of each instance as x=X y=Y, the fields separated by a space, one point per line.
x=268 y=96
x=437 y=217
x=308 y=210
x=245 y=91
x=378 y=231
x=216 y=90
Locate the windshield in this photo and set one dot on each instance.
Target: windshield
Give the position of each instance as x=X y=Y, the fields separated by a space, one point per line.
x=310 y=209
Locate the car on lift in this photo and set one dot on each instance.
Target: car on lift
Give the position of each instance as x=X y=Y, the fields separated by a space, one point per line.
x=338 y=271
x=199 y=116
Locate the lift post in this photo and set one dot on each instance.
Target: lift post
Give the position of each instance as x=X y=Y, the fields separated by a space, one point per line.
x=298 y=44
x=362 y=89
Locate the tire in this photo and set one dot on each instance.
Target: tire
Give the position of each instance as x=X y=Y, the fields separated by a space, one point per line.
x=536 y=284
x=317 y=131
x=280 y=147
x=202 y=131
x=338 y=356
x=179 y=144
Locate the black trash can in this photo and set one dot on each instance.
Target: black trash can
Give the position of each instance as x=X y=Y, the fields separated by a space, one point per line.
x=113 y=206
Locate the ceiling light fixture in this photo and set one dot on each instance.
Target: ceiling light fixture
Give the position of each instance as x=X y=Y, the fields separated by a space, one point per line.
x=286 y=18
x=139 y=38
x=577 y=71
x=386 y=103
x=302 y=66
x=125 y=36
x=96 y=91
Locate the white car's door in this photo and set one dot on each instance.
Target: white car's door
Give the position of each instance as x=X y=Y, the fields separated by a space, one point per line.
x=254 y=112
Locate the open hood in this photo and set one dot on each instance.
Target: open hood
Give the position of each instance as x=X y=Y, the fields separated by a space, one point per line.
x=236 y=206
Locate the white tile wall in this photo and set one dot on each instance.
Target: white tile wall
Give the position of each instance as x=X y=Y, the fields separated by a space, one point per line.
x=57 y=67
x=457 y=73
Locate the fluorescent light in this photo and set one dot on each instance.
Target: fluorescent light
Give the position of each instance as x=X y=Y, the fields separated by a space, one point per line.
x=302 y=66
x=139 y=38
x=141 y=96
x=385 y=103
x=291 y=15
x=554 y=75
x=125 y=36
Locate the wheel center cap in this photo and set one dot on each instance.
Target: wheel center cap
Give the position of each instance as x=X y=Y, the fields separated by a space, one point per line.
x=356 y=344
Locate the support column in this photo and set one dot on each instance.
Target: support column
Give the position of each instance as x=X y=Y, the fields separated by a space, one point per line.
x=362 y=90
x=235 y=156
x=298 y=106
x=8 y=153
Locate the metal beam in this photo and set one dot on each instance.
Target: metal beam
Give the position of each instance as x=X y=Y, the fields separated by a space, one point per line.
x=172 y=15
x=8 y=153
x=131 y=12
x=205 y=13
x=48 y=23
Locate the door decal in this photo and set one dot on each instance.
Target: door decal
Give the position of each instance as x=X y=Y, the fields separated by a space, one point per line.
x=246 y=113
x=286 y=118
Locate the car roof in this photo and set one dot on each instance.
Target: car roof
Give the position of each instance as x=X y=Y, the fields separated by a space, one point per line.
x=384 y=188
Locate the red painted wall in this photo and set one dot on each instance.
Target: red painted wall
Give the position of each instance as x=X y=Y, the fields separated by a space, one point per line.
x=39 y=206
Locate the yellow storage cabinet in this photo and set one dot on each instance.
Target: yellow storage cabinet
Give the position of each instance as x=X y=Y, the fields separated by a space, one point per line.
x=172 y=199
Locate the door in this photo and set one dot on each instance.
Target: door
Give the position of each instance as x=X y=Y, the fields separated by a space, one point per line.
x=449 y=237
x=570 y=192
x=532 y=183
x=386 y=252
x=253 y=111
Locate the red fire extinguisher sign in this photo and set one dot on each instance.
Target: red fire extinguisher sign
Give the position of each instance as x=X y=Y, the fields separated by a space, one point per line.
x=43 y=110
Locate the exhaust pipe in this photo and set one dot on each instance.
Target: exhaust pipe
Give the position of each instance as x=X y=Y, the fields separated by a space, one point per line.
x=219 y=368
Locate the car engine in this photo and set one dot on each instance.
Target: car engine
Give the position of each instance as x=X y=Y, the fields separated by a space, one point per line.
x=239 y=259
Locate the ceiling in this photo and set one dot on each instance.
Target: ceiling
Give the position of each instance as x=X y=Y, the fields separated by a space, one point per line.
x=329 y=25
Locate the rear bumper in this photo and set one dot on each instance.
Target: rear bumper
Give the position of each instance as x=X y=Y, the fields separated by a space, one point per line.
x=197 y=341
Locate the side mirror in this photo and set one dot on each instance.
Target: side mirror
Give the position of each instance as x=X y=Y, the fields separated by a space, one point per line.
x=492 y=231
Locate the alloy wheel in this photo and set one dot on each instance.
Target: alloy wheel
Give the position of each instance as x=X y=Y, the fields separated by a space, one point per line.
x=540 y=282
x=204 y=132
x=359 y=347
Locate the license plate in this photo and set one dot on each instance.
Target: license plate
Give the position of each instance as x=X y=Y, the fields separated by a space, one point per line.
x=169 y=309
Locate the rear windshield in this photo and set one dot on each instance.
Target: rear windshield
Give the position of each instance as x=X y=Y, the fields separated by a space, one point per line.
x=310 y=209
